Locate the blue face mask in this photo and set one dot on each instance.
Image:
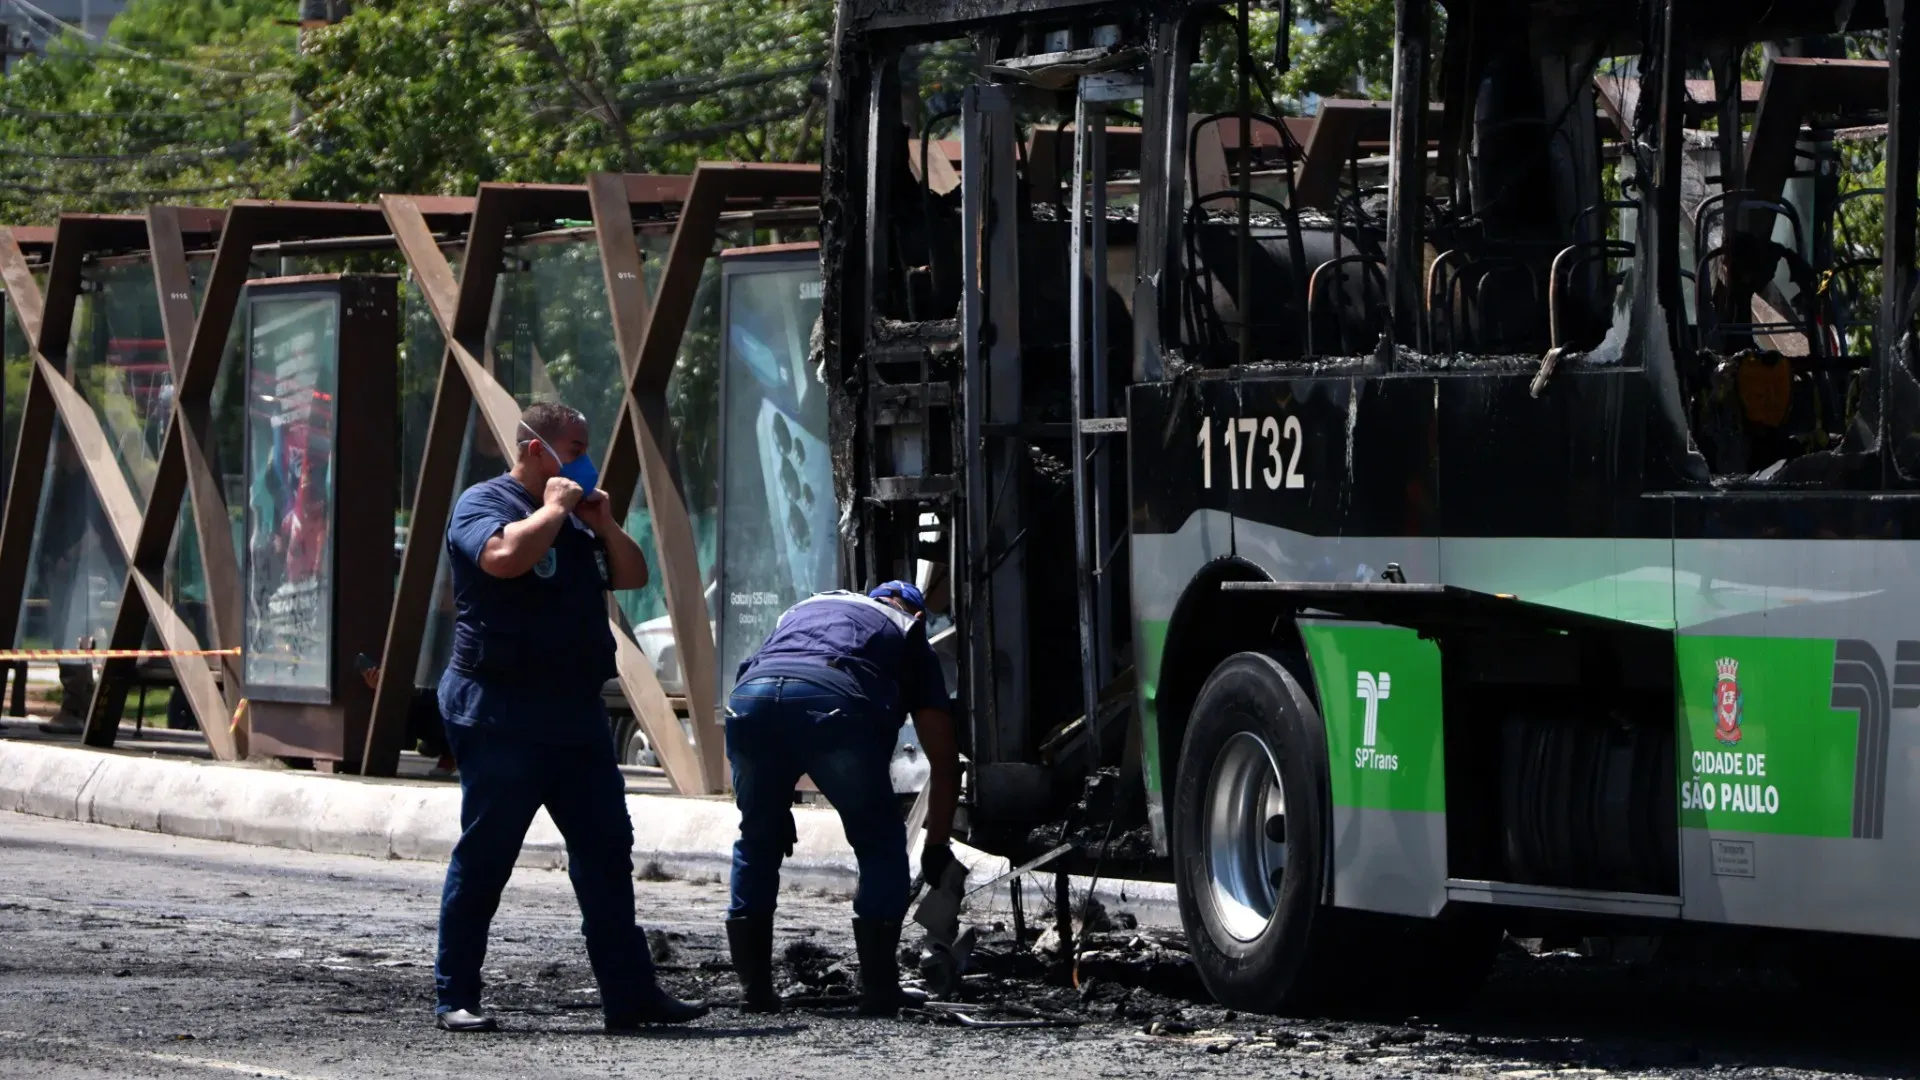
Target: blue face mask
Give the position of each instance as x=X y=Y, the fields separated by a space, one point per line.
x=580 y=470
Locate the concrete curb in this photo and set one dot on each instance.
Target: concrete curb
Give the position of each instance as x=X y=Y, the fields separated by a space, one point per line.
x=382 y=819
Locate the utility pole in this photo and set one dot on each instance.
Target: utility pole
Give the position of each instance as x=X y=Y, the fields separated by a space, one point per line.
x=314 y=15
x=8 y=50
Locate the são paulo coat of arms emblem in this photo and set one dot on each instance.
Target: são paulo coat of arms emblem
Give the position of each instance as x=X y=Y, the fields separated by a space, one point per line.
x=1727 y=701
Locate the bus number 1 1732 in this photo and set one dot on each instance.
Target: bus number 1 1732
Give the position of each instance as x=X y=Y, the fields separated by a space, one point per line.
x=1274 y=444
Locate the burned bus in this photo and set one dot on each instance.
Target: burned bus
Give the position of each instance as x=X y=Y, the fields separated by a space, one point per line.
x=1481 y=501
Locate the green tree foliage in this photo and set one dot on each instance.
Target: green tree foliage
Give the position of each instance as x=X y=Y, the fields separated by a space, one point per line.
x=184 y=100
x=417 y=95
x=211 y=100
x=405 y=97
x=1336 y=48
x=1344 y=48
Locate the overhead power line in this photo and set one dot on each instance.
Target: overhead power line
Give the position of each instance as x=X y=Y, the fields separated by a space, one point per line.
x=135 y=114
x=126 y=194
x=725 y=127
x=700 y=86
x=53 y=22
x=704 y=81
x=248 y=51
x=684 y=5
x=156 y=156
x=693 y=87
x=653 y=9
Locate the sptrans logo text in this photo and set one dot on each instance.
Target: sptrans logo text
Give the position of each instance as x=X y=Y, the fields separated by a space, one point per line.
x=1373 y=689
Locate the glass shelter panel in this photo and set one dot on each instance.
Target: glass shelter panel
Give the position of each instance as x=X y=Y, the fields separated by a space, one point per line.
x=422 y=348
x=76 y=571
x=693 y=405
x=293 y=359
x=480 y=459
x=553 y=334
x=778 y=542
x=17 y=365
x=118 y=362
x=552 y=340
x=185 y=585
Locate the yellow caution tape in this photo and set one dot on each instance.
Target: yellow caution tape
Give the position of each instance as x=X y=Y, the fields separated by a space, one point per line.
x=109 y=654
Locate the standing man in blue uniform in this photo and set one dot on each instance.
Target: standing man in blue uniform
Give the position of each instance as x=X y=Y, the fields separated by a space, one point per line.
x=533 y=554
x=824 y=697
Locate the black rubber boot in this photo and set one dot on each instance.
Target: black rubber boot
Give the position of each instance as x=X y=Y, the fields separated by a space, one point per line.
x=878 y=944
x=656 y=1006
x=750 y=939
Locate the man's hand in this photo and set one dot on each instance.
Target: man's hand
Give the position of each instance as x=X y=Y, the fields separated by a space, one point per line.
x=563 y=494
x=934 y=860
x=595 y=511
x=626 y=565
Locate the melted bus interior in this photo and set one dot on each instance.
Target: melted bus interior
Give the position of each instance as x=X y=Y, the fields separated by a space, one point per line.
x=1033 y=205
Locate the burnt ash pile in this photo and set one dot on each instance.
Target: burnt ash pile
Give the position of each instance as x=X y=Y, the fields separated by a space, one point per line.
x=1102 y=825
x=1113 y=971
x=1580 y=1009
x=1595 y=1005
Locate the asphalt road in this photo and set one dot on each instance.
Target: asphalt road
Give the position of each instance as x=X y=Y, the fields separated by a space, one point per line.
x=124 y=954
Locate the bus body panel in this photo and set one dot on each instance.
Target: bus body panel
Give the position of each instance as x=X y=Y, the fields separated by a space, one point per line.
x=1798 y=738
x=1796 y=649
x=1386 y=764
x=1165 y=564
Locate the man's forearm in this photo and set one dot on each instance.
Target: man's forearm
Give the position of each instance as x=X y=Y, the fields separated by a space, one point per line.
x=626 y=563
x=521 y=544
x=935 y=728
x=943 y=798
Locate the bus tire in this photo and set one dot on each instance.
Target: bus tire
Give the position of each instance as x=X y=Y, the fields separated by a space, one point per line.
x=1255 y=749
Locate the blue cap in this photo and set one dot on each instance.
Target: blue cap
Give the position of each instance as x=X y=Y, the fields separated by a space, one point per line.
x=906 y=591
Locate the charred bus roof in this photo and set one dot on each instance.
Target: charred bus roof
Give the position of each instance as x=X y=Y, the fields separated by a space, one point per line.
x=1620 y=26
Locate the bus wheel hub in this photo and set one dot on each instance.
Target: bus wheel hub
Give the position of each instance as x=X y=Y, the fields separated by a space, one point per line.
x=1244 y=862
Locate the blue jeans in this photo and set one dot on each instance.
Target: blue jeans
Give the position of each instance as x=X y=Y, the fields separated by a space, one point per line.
x=503 y=782
x=782 y=728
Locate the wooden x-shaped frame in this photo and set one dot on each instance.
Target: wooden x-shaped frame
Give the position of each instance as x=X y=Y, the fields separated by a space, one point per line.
x=196 y=342
x=647 y=332
x=47 y=322
x=463 y=309
x=648 y=336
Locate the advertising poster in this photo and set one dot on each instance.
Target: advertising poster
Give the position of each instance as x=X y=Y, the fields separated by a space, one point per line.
x=292 y=374
x=778 y=541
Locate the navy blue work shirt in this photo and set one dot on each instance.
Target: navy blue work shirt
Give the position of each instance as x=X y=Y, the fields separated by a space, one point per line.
x=530 y=653
x=864 y=649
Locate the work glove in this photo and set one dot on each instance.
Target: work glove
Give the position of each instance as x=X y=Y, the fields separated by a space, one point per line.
x=934 y=860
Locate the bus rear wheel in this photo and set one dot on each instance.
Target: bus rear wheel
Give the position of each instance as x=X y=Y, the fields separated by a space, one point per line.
x=1249 y=844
